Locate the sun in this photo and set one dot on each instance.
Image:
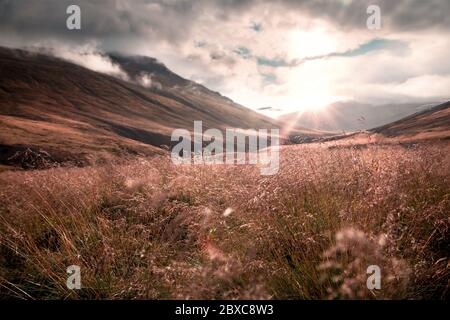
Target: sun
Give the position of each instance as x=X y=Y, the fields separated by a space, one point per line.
x=309 y=91
x=311 y=43
x=316 y=103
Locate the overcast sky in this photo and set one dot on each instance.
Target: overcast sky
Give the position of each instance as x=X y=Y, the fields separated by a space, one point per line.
x=268 y=55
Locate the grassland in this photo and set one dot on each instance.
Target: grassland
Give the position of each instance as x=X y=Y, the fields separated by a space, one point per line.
x=151 y=230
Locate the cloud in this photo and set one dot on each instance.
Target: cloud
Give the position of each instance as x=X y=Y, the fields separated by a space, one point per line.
x=175 y=21
x=260 y=53
x=145 y=80
x=257 y=27
x=397 y=46
x=272 y=62
x=243 y=52
x=87 y=56
x=270 y=109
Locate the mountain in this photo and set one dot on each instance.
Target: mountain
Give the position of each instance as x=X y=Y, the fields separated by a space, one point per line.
x=54 y=110
x=431 y=123
x=153 y=74
x=352 y=116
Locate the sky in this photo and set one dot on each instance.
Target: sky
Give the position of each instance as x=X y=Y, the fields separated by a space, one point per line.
x=271 y=56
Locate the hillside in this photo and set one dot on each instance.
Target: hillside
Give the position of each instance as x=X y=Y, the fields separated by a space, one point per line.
x=432 y=123
x=352 y=116
x=59 y=111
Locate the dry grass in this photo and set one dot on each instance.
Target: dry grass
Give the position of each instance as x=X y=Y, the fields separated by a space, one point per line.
x=153 y=230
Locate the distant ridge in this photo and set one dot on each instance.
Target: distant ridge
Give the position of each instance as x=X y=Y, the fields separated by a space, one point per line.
x=430 y=123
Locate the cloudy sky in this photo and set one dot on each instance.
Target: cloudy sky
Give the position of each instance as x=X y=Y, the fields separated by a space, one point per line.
x=272 y=56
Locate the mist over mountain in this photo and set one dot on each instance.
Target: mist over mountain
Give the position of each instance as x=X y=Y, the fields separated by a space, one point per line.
x=354 y=116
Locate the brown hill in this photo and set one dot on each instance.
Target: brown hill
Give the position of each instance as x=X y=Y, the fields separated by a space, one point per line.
x=59 y=111
x=427 y=124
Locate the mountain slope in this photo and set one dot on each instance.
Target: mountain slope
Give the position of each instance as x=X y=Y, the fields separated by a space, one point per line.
x=432 y=123
x=152 y=74
x=72 y=113
x=352 y=116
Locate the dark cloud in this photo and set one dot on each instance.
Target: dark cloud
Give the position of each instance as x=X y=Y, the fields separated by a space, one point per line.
x=399 y=15
x=269 y=109
x=101 y=20
x=172 y=20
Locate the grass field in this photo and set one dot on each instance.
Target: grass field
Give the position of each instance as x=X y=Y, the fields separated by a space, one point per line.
x=149 y=229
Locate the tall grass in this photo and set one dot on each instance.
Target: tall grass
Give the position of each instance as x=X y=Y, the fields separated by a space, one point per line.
x=152 y=230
